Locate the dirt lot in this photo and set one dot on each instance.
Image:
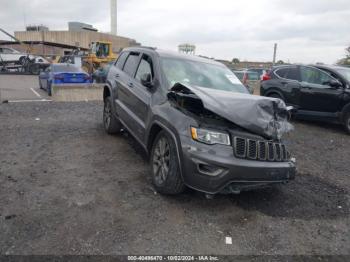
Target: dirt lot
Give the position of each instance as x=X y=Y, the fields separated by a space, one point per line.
x=68 y=188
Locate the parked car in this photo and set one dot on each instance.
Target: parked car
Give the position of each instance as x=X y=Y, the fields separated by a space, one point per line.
x=100 y=75
x=62 y=74
x=197 y=122
x=259 y=71
x=317 y=92
x=10 y=55
x=249 y=78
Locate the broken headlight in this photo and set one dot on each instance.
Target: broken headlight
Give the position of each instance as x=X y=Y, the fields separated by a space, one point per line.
x=210 y=137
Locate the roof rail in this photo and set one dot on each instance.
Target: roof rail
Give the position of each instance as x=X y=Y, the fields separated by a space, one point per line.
x=148 y=47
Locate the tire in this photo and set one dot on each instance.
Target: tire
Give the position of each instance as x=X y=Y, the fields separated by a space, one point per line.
x=347 y=122
x=111 y=124
x=49 y=89
x=274 y=95
x=164 y=165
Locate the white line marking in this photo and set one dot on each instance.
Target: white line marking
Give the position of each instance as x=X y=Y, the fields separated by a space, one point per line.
x=24 y=101
x=36 y=93
x=228 y=240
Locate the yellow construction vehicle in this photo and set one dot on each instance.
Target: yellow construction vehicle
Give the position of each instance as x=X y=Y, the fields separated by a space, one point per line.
x=100 y=53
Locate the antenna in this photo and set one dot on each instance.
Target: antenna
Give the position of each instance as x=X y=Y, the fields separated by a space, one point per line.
x=113 y=17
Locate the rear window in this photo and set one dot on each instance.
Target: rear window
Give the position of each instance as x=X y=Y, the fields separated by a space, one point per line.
x=66 y=68
x=288 y=73
x=131 y=63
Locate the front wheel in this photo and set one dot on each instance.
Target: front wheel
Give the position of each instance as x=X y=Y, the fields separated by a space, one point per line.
x=165 y=167
x=111 y=124
x=347 y=122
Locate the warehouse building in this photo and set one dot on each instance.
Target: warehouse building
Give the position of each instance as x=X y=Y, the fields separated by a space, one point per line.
x=45 y=42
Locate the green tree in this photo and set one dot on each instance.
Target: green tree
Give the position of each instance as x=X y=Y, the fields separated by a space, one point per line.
x=235 y=61
x=346 y=59
x=280 y=62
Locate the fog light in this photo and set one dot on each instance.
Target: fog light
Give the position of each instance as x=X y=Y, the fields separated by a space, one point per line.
x=209 y=170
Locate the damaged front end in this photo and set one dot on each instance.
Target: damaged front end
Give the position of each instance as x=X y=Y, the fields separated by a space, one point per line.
x=266 y=117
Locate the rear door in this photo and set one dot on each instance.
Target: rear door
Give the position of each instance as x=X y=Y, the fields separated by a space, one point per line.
x=315 y=94
x=289 y=81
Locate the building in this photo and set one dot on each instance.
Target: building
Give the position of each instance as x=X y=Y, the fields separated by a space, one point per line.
x=47 y=42
x=80 y=27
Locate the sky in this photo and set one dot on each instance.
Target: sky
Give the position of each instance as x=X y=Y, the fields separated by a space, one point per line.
x=306 y=31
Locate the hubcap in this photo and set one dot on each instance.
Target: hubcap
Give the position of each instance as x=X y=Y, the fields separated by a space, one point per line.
x=107 y=115
x=161 y=160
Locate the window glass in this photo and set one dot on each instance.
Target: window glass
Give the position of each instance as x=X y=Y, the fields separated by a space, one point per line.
x=282 y=72
x=121 y=60
x=131 y=63
x=145 y=67
x=314 y=76
x=201 y=74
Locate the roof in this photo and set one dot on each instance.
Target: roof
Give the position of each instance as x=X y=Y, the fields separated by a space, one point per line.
x=330 y=66
x=172 y=54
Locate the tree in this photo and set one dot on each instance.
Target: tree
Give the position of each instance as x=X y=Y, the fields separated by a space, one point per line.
x=346 y=59
x=235 y=61
x=280 y=62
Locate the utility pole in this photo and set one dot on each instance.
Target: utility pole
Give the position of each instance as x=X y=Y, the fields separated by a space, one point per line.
x=274 y=54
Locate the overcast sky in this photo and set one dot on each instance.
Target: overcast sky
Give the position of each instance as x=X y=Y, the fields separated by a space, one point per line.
x=306 y=31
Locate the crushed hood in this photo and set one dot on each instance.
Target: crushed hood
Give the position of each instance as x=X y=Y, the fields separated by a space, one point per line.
x=264 y=116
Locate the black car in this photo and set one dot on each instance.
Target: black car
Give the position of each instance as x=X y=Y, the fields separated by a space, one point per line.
x=317 y=92
x=198 y=123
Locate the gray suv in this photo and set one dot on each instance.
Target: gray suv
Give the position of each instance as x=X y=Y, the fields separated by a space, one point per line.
x=199 y=125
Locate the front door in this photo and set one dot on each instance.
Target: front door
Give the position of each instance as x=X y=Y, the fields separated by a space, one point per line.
x=315 y=93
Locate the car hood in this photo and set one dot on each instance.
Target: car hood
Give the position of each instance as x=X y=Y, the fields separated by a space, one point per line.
x=264 y=116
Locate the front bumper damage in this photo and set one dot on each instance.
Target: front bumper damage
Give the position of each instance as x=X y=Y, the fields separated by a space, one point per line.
x=214 y=169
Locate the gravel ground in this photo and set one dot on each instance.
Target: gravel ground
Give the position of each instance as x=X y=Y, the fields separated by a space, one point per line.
x=68 y=188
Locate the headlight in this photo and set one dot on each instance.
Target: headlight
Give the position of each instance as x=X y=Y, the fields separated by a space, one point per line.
x=210 y=137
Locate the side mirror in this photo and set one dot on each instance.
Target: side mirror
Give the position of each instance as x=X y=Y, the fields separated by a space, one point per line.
x=333 y=83
x=146 y=80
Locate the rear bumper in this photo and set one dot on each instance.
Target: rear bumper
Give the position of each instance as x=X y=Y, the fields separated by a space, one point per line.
x=214 y=169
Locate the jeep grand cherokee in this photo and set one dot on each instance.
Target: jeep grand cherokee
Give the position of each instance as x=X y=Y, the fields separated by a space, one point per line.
x=198 y=123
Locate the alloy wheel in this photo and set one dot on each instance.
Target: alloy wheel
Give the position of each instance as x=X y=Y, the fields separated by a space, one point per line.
x=161 y=160
x=107 y=114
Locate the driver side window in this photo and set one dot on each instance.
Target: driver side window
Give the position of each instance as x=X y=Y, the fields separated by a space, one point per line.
x=145 y=67
x=314 y=76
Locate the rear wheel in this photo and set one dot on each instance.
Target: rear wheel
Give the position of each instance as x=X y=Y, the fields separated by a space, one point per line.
x=164 y=164
x=111 y=124
x=347 y=122
x=49 y=88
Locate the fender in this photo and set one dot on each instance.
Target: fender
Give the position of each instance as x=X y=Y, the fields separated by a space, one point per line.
x=112 y=92
x=175 y=138
x=346 y=109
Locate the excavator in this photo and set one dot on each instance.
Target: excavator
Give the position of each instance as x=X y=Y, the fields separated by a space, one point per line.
x=99 y=54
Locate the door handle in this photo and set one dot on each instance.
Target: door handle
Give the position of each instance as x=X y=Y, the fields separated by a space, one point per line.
x=116 y=75
x=130 y=85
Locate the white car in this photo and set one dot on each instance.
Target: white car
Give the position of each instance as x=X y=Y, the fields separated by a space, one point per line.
x=10 y=55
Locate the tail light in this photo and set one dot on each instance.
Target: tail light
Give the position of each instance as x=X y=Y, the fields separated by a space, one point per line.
x=59 y=77
x=266 y=76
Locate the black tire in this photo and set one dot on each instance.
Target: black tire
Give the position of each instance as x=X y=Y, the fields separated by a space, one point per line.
x=164 y=165
x=347 y=122
x=111 y=124
x=49 y=89
x=275 y=95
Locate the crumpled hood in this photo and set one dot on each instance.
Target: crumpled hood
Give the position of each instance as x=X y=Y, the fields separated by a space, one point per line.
x=261 y=115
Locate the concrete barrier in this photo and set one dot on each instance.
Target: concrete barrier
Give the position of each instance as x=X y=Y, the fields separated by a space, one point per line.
x=77 y=92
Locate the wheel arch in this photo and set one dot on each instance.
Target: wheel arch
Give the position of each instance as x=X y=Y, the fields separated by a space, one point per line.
x=155 y=129
x=274 y=91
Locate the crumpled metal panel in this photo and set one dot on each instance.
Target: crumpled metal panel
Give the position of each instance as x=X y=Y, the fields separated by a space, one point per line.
x=264 y=116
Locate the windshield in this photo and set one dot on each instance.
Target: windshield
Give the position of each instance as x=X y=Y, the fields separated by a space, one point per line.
x=201 y=74
x=345 y=72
